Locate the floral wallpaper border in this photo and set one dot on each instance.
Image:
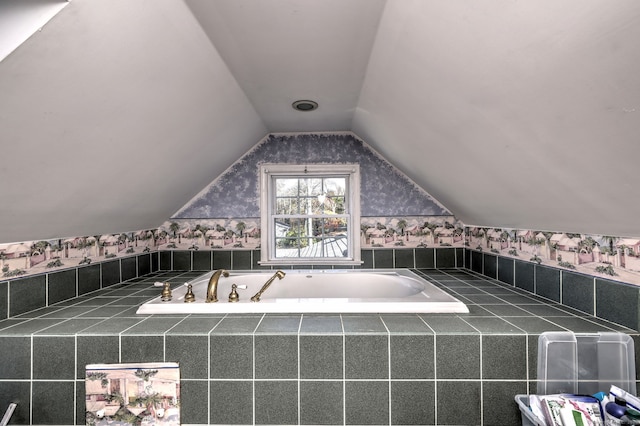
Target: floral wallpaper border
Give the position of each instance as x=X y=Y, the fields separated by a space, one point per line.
x=615 y=258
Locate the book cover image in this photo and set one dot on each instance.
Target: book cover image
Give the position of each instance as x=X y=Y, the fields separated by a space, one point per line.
x=132 y=394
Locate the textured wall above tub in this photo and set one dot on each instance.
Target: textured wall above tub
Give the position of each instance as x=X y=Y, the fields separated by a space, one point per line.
x=385 y=191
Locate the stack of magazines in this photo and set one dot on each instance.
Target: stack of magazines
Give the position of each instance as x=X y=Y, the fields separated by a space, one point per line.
x=567 y=410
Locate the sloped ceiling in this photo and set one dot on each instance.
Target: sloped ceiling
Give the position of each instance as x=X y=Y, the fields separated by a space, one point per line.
x=522 y=114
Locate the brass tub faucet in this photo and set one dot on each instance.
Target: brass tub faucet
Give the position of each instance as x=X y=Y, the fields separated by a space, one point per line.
x=212 y=287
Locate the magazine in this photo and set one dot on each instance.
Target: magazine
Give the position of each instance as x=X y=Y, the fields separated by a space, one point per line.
x=567 y=410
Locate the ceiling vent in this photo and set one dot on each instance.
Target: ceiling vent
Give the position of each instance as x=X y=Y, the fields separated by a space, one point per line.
x=305 y=105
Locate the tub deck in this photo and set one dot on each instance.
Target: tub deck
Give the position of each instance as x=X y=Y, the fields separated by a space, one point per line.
x=313 y=291
x=347 y=368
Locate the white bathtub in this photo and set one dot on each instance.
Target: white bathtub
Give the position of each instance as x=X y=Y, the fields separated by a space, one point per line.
x=313 y=291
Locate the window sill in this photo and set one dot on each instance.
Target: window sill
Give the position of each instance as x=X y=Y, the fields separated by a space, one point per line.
x=310 y=262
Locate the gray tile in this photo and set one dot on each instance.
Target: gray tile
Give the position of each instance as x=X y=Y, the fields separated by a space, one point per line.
x=468 y=290
x=405 y=324
x=321 y=403
x=476 y=258
x=144 y=264
x=501 y=394
x=321 y=324
x=524 y=275
x=111 y=326
x=448 y=325
x=533 y=324
x=276 y=357
x=102 y=312
x=548 y=282
x=458 y=356
x=61 y=285
x=383 y=258
x=129 y=268
x=321 y=357
x=506 y=270
x=191 y=352
x=504 y=357
x=54 y=357
x=579 y=325
x=71 y=326
x=280 y=324
x=27 y=294
x=195 y=326
x=202 y=259
x=490 y=263
x=20 y=393
x=231 y=357
x=425 y=258
x=237 y=325
x=363 y=324
x=96 y=350
x=481 y=299
x=54 y=403
x=110 y=273
x=4 y=298
x=366 y=357
x=367 y=259
x=221 y=259
x=28 y=327
x=546 y=310
x=10 y=322
x=411 y=356
x=445 y=258
x=413 y=403
x=68 y=312
x=507 y=310
x=403 y=258
x=141 y=349
x=241 y=259
x=194 y=401
x=153 y=325
x=366 y=403
x=522 y=299
x=129 y=300
x=276 y=402
x=477 y=311
x=449 y=411
x=181 y=260
x=15 y=353
x=492 y=325
x=618 y=303
x=578 y=291
x=226 y=398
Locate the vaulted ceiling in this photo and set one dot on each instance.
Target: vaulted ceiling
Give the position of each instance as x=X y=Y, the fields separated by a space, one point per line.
x=511 y=113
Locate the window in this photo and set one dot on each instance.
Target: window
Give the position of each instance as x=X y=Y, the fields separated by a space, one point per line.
x=310 y=214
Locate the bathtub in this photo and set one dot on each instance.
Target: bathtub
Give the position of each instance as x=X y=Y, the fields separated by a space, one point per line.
x=312 y=291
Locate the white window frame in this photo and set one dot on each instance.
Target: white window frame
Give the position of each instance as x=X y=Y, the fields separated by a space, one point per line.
x=352 y=208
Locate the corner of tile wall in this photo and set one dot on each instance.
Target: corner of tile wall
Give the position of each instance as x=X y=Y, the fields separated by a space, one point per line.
x=611 y=300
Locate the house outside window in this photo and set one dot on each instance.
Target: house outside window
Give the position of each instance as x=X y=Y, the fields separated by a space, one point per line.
x=310 y=214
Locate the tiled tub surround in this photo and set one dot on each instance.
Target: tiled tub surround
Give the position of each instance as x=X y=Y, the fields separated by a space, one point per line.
x=605 y=298
x=294 y=369
x=23 y=294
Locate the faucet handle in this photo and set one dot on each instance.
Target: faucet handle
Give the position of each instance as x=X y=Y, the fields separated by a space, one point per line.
x=234 y=296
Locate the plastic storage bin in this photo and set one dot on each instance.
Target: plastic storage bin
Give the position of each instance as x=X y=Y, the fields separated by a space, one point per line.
x=528 y=418
x=581 y=363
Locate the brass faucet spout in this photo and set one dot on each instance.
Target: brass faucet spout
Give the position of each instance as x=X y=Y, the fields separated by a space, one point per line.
x=212 y=287
x=279 y=274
